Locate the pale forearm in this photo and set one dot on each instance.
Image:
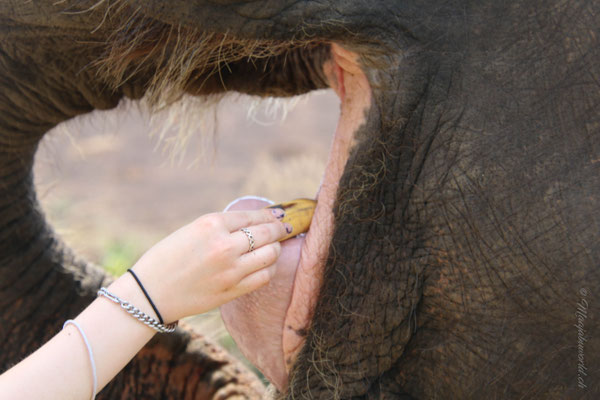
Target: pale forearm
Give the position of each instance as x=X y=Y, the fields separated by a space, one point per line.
x=198 y=267
x=61 y=368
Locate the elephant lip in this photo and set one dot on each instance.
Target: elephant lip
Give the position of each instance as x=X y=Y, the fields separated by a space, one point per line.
x=271 y=324
x=350 y=83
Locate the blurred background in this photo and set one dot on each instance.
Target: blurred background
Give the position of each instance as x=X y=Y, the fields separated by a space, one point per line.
x=114 y=183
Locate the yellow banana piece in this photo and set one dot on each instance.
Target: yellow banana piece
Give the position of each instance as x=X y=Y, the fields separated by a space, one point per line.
x=298 y=214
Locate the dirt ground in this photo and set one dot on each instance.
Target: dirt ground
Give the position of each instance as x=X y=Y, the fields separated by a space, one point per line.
x=111 y=191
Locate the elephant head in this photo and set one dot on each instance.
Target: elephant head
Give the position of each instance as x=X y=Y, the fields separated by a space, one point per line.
x=454 y=252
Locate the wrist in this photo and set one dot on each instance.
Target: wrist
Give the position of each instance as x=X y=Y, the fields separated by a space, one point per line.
x=160 y=288
x=115 y=336
x=128 y=290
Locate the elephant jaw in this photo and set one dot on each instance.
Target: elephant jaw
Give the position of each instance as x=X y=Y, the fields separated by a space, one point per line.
x=270 y=324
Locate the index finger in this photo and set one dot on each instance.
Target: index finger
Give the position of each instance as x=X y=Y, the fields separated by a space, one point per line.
x=236 y=220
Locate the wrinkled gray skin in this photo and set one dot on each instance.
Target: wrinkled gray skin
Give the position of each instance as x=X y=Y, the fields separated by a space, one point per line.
x=467 y=224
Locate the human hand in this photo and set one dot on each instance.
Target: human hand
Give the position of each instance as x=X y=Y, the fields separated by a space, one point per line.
x=206 y=263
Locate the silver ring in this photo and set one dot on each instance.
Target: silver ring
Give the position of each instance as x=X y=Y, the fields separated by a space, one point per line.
x=250 y=239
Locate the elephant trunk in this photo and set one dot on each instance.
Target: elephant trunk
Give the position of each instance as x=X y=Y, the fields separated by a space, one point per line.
x=43 y=282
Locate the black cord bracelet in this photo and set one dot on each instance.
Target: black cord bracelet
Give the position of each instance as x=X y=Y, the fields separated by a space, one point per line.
x=146 y=294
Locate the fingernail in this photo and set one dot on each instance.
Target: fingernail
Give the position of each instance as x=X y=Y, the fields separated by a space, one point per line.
x=278 y=213
x=288 y=228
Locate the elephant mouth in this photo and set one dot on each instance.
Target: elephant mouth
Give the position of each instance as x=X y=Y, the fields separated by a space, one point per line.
x=270 y=324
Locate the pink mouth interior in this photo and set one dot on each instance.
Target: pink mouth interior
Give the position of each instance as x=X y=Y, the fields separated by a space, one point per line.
x=270 y=324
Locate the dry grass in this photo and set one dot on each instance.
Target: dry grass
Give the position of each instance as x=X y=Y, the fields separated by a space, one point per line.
x=286 y=178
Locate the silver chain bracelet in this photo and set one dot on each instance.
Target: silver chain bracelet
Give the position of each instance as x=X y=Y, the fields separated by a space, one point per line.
x=137 y=313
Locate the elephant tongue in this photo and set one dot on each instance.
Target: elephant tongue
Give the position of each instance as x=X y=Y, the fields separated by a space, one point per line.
x=255 y=321
x=270 y=324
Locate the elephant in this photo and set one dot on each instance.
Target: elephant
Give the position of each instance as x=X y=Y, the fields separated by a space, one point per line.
x=455 y=248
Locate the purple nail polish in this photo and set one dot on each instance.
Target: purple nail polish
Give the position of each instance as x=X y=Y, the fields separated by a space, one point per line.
x=278 y=212
x=288 y=228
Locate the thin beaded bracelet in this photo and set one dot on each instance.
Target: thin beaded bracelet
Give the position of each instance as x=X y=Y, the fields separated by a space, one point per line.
x=137 y=313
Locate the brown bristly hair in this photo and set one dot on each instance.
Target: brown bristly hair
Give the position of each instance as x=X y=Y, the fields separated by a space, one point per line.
x=169 y=56
x=165 y=58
